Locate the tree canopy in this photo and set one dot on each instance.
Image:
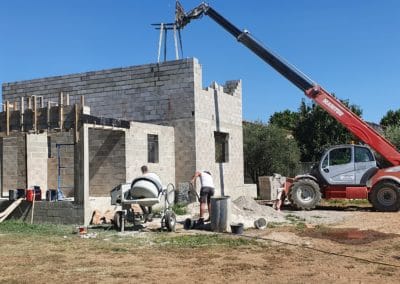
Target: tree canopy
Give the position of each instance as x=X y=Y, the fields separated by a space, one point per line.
x=314 y=129
x=391 y=118
x=268 y=149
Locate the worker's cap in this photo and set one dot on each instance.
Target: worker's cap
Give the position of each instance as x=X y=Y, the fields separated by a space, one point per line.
x=206 y=171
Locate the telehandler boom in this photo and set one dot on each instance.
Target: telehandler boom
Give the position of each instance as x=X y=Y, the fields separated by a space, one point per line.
x=345 y=171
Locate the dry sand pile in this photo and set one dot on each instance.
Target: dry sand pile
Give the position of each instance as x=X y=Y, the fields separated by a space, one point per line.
x=246 y=210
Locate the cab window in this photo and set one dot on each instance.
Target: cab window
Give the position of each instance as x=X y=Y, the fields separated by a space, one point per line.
x=362 y=154
x=340 y=156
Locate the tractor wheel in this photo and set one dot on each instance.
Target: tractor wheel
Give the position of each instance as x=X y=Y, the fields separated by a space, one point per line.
x=117 y=221
x=170 y=221
x=305 y=194
x=385 y=196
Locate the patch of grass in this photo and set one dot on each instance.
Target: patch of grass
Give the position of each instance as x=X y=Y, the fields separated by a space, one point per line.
x=301 y=226
x=294 y=218
x=274 y=225
x=297 y=221
x=179 y=209
x=19 y=227
x=202 y=240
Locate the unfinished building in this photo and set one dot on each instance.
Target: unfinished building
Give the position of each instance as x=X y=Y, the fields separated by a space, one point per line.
x=86 y=133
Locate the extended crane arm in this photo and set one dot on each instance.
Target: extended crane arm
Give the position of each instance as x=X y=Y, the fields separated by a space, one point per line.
x=312 y=90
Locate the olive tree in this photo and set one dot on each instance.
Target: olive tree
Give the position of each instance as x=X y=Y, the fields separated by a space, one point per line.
x=267 y=150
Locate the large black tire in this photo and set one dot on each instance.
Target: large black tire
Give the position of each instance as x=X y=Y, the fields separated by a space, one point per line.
x=385 y=196
x=170 y=221
x=305 y=194
x=119 y=222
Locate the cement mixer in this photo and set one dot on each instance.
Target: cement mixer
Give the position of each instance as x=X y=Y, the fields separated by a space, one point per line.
x=145 y=192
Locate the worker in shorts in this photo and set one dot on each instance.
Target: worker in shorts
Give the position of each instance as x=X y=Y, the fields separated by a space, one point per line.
x=206 y=191
x=278 y=184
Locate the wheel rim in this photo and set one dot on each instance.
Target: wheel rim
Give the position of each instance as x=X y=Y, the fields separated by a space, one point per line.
x=386 y=197
x=305 y=194
x=171 y=221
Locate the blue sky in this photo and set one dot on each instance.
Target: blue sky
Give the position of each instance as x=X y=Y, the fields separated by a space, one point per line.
x=350 y=47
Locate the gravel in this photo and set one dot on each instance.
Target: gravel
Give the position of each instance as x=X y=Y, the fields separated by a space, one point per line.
x=246 y=210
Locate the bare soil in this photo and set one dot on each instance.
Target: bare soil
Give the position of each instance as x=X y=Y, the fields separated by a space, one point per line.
x=362 y=247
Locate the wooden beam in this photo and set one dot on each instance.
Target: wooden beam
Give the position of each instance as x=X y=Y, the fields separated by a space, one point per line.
x=82 y=101
x=48 y=113
x=61 y=111
x=29 y=102
x=22 y=99
x=35 y=128
x=7 y=118
x=77 y=109
x=10 y=209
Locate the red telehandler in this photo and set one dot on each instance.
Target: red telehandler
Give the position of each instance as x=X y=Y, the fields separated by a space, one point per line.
x=344 y=171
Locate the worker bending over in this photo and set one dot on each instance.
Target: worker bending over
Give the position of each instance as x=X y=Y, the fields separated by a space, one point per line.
x=206 y=191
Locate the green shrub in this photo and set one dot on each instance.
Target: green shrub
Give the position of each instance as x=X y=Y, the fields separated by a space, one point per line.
x=179 y=209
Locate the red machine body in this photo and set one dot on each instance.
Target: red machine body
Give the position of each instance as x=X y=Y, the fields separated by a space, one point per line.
x=380 y=186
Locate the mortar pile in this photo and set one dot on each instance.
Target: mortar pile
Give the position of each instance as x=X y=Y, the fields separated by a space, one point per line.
x=246 y=210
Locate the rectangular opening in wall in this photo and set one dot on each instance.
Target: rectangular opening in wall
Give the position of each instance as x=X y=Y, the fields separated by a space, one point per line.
x=221 y=147
x=152 y=148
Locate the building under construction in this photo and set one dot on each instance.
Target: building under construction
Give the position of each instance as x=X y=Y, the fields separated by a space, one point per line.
x=86 y=133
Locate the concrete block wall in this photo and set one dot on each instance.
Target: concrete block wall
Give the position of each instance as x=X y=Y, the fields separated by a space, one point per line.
x=185 y=149
x=218 y=111
x=36 y=160
x=143 y=93
x=13 y=165
x=158 y=93
x=106 y=160
x=169 y=93
x=60 y=212
x=136 y=151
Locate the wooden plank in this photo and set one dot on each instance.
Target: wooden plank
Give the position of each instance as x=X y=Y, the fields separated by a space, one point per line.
x=7 y=118
x=48 y=114
x=10 y=209
x=22 y=99
x=76 y=123
x=61 y=111
x=35 y=128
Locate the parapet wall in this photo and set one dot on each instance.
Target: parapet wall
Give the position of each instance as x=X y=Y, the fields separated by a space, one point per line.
x=142 y=93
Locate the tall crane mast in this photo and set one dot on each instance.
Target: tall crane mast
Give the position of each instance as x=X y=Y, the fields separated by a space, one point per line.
x=324 y=99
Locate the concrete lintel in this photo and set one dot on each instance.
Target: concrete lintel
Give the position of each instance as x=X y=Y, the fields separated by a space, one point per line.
x=105 y=127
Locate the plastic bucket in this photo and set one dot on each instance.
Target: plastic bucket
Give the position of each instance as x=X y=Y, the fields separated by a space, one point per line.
x=29 y=195
x=12 y=195
x=220 y=213
x=260 y=223
x=51 y=195
x=237 y=228
x=20 y=193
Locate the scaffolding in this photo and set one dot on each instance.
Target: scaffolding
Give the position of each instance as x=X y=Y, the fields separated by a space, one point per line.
x=164 y=28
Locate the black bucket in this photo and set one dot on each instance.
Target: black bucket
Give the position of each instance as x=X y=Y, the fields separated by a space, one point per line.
x=237 y=228
x=189 y=224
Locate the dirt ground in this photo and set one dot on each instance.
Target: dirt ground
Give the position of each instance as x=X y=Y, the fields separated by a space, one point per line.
x=361 y=247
